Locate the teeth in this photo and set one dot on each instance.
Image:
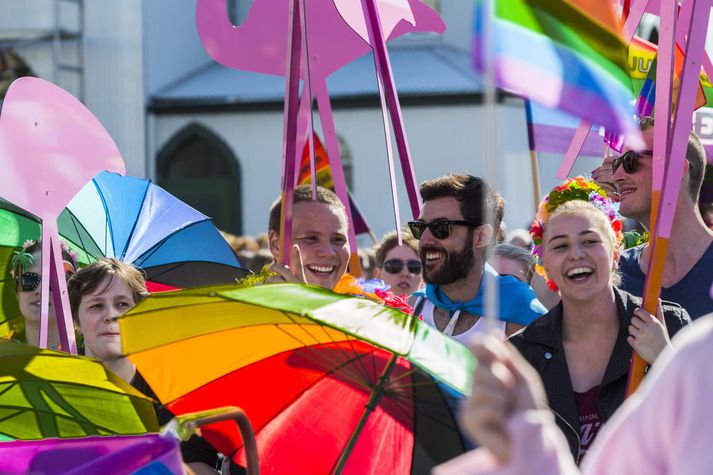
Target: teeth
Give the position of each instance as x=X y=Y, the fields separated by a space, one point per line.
x=579 y=270
x=323 y=269
x=432 y=256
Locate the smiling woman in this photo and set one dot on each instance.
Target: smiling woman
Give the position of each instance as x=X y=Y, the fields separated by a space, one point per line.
x=582 y=347
x=27 y=272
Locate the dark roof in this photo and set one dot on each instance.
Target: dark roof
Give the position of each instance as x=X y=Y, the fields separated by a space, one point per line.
x=423 y=71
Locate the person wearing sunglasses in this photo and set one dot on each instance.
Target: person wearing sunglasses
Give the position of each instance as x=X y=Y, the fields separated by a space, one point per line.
x=26 y=267
x=453 y=239
x=687 y=275
x=399 y=266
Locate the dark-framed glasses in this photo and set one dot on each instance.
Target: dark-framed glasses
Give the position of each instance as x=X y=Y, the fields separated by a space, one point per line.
x=440 y=228
x=630 y=160
x=30 y=281
x=394 y=266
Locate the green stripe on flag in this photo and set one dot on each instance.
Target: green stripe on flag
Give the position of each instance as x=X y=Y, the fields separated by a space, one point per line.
x=572 y=29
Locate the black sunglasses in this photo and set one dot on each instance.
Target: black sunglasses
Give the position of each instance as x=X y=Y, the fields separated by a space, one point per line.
x=630 y=160
x=394 y=266
x=440 y=228
x=29 y=281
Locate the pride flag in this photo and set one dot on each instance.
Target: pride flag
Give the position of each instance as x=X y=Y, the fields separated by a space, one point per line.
x=564 y=54
x=324 y=179
x=642 y=69
x=551 y=131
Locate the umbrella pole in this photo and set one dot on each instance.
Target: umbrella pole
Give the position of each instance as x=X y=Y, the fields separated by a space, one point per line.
x=377 y=392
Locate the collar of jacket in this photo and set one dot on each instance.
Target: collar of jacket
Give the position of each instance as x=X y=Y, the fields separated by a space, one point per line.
x=546 y=332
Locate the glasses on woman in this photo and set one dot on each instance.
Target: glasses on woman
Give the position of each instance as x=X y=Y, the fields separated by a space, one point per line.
x=394 y=266
x=630 y=160
x=30 y=281
x=440 y=228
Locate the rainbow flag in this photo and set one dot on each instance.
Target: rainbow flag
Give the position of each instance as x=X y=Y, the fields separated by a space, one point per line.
x=551 y=131
x=642 y=69
x=564 y=54
x=324 y=179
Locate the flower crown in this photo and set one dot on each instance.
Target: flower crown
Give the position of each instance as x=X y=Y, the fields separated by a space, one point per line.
x=578 y=188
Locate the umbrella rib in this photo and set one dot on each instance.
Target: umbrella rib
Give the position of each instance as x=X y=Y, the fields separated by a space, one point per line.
x=75 y=220
x=10 y=416
x=360 y=364
x=332 y=363
x=146 y=255
x=34 y=410
x=349 y=340
x=421 y=408
x=9 y=387
x=365 y=371
x=406 y=374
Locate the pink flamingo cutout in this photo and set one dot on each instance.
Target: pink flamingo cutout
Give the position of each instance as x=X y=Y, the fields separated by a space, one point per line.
x=337 y=32
x=51 y=147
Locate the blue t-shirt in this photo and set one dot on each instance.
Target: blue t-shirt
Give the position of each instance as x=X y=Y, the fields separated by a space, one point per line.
x=692 y=292
x=518 y=302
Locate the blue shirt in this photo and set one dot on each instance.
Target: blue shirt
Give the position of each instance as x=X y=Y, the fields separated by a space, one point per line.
x=692 y=292
x=517 y=301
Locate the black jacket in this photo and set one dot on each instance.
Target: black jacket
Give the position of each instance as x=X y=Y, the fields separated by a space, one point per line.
x=541 y=345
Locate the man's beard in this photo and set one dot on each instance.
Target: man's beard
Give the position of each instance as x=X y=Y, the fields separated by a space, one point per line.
x=457 y=266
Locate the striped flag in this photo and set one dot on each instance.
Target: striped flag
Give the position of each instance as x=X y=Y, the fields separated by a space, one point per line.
x=564 y=54
x=324 y=179
x=551 y=131
x=642 y=69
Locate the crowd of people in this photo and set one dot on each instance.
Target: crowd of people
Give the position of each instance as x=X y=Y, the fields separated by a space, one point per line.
x=570 y=304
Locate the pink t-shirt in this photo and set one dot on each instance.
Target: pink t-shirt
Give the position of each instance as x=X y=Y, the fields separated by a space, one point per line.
x=589 y=418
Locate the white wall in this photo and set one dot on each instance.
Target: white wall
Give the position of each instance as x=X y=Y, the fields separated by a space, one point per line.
x=115 y=75
x=441 y=140
x=171 y=44
x=458 y=15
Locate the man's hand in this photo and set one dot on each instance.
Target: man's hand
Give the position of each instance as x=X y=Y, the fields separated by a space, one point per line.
x=294 y=273
x=604 y=177
x=503 y=384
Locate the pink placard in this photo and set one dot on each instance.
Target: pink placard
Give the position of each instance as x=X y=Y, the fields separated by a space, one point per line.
x=51 y=145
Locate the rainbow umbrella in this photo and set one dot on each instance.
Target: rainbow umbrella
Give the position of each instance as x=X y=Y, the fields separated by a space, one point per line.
x=139 y=222
x=130 y=219
x=331 y=383
x=141 y=454
x=45 y=393
x=17 y=226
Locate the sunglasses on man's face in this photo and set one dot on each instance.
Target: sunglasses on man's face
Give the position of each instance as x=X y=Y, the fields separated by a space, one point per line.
x=440 y=228
x=30 y=281
x=629 y=160
x=394 y=266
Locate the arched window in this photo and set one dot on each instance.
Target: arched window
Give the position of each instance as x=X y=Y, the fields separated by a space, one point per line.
x=199 y=168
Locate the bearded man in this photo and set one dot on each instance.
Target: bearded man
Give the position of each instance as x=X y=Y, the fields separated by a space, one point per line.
x=454 y=235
